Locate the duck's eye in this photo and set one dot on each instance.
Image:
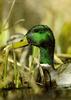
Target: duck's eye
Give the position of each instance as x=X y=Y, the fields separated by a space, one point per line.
x=36 y=30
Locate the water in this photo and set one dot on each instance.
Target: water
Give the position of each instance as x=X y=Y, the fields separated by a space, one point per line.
x=26 y=94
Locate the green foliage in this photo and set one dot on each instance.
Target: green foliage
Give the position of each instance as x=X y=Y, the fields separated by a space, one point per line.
x=65 y=38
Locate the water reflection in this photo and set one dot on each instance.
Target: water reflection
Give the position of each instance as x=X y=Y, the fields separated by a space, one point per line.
x=25 y=94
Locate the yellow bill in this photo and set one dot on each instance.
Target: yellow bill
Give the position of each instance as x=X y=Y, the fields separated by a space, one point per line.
x=23 y=42
x=16 y=42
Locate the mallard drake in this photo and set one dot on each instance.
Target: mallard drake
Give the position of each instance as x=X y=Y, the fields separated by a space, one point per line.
x=42 y=37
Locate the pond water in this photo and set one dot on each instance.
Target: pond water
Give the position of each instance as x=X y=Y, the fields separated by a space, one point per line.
x=25 y=94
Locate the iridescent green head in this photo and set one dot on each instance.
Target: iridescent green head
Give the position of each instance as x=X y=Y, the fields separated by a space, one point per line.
x=42 y=37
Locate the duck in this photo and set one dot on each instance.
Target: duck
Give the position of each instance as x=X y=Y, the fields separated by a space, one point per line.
x=40 y=36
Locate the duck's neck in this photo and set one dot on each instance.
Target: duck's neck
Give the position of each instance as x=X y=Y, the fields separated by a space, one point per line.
x=46 y=57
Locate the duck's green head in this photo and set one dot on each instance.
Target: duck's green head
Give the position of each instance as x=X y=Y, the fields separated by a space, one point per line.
x=42 y=37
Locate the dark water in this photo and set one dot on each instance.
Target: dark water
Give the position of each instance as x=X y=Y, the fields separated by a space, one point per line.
x=25 y=94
